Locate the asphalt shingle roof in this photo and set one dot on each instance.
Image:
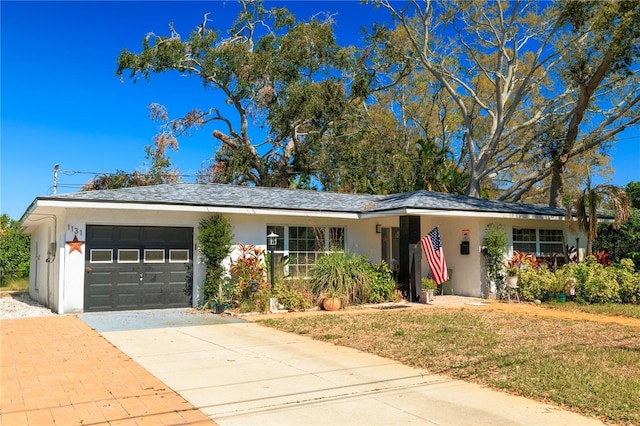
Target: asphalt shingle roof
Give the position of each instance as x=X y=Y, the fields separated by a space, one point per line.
x=220 y=195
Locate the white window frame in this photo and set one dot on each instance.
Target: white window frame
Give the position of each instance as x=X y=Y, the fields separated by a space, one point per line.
x=538 y=242
x=129 y=261
x=171 y=251
x=100 y=261
x=286 y=251
x=154 y=261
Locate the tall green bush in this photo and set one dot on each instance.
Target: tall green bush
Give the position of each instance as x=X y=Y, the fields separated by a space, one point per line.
x=352 y=278
x=214 y=239
x=623 y=242
x=14 y=250
x=494 y=248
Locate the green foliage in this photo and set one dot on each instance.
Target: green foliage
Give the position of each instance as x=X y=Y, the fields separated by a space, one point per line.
x=352 y=278
x=295 y=294
x=596 y=284
x=494 y=244
x=591 y=282
x=620 y=243
x=14 y=249
x=633 y=191
x=249 y=274
x=383 y=287
x=291 y=77
x=534 y=284
x=160 y=171
x=428 y=284
x=629 y=282
x=214 y=240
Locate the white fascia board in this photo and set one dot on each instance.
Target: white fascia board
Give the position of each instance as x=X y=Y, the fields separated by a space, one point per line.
x=194 y=209
x=459 y=213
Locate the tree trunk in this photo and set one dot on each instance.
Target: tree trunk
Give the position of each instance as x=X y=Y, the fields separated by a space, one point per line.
x=556 y=191
x=473 y=188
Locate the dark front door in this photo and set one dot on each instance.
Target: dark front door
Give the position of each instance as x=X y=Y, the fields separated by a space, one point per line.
x=137 y=267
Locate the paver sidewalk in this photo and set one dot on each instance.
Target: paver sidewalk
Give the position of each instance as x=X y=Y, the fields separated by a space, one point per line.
x=58 y=371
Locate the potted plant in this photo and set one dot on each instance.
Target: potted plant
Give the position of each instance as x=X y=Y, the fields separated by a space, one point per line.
x=557 y=289
x=514 y=264
x=512 y=277
x=428 y=289
x=340 y=275
x=331 y=301
x=221 y=300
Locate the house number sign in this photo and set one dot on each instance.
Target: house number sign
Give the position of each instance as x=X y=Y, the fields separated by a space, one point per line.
x=75 y=244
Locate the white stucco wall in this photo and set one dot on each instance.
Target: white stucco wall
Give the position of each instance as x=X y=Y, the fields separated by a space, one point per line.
x=464 y=279
x=47 y=248
x=60 y=284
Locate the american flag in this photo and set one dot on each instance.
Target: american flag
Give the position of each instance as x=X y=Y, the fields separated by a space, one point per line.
x=432 y=246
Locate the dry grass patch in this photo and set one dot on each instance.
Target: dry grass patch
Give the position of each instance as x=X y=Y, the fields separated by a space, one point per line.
x=611 y=309
x=588 y=367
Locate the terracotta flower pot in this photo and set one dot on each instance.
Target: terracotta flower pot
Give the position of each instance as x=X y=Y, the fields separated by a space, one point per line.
x=331 y=303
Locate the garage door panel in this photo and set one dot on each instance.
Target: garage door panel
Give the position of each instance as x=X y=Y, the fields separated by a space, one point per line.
x=129 y=236
x=100 y=302
x=156 y=283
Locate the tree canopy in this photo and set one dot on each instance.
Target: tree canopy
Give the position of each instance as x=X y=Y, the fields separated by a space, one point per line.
x=489 y=98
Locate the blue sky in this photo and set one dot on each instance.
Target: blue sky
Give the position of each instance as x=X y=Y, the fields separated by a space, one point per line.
x=61 y=102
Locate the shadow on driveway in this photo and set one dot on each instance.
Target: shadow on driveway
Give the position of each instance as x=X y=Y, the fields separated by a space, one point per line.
x=157 y=318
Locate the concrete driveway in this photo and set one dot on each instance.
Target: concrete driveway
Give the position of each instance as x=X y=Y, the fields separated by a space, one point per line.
x=241 y=373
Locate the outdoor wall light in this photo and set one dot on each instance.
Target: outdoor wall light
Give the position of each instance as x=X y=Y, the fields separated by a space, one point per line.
x=378 y=228
x=272 y=242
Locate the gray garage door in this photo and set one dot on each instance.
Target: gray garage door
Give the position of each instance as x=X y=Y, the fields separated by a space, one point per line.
x=138 y=267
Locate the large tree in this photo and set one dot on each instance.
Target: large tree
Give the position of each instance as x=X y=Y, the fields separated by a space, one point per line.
x=510 y=68
x=291 y=78
x=602 y=69
x=489 y=56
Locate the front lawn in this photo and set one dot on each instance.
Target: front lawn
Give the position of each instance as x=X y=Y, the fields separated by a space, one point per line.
x=588 y=367
x=614 y=309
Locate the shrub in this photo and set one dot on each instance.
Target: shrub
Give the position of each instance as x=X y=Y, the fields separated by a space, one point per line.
x=383 y=286
x=295 y=295
x=352 y=278
x=534 y=284
x=595 y=283
x=494 y=249
x=214 y=238
x=629 y=281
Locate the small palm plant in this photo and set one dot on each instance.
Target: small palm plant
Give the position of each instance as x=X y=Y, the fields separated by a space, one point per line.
x=587 y=204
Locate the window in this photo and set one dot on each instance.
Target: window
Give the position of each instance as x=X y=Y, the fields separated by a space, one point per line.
x=541 y=242
x=154 y=256
x=178 y=256
x=524 y=240
x=550 y=241
x=101 y=256
x=304 y=245
x=128 y=256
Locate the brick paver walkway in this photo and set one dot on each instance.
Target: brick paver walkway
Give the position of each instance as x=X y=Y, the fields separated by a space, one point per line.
x=58 y=371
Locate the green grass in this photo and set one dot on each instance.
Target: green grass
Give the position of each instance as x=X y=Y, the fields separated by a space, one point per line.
x=15 y=284
x=613 y=309
x=587 y=367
